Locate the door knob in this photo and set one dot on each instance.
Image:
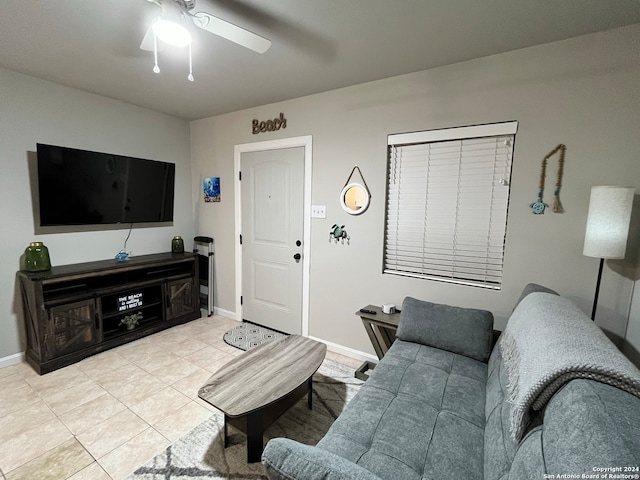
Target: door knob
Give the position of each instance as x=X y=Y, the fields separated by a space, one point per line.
x=297 y=257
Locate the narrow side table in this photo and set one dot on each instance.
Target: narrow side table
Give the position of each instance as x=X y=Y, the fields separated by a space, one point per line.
x=381 y=328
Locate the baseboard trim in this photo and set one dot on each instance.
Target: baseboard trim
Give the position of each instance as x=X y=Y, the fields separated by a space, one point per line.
x=12 y=360
x=350 y=352
x=226 y=313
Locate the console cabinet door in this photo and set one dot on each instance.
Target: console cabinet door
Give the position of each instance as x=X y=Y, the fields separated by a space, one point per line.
x=71 y=327
x=181 y=299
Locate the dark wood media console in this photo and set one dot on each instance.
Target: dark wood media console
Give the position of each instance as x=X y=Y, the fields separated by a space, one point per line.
x=74 y=311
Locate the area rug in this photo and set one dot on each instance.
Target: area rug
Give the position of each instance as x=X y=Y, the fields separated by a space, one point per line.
x=201 y=454
x=249 y=335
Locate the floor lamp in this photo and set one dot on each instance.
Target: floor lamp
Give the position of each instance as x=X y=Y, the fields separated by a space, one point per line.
x=607 y=227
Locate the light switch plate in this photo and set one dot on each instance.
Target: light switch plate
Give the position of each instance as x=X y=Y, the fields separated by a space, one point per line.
x=318 y=211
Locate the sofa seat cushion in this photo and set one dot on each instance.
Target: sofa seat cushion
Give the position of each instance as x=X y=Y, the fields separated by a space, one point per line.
x=499 y=445
x=420 y=415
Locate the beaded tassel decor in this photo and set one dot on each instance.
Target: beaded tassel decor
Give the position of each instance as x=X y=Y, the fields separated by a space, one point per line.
x=539 y=206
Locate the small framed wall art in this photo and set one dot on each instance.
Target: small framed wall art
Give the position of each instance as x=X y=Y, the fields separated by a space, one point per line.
x=211 y=189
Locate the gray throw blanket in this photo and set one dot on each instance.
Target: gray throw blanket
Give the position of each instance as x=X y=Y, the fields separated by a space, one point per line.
x=548 y=342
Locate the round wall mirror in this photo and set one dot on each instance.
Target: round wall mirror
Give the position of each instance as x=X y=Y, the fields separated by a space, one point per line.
x=354 y=198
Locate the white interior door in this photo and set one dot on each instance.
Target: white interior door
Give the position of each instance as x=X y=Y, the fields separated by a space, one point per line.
x=272 y=237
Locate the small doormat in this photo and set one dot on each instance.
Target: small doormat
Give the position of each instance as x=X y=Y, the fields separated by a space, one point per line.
x=249 y=335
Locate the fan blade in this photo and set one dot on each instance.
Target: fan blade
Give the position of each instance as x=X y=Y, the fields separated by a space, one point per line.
x=147 y=40
x=231 y=32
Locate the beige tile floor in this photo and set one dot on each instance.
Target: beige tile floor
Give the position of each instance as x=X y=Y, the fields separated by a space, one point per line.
x=105 y=416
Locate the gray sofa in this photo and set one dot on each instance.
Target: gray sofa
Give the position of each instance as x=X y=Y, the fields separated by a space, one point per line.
x=440 y=405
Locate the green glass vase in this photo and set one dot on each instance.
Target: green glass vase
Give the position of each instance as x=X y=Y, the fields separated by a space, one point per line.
x=36 y=257
x=177 y=244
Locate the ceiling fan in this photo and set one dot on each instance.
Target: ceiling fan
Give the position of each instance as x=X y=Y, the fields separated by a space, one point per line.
x=172 y=27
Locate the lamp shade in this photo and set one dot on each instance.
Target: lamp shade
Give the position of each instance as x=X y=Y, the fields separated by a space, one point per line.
x=608 y=221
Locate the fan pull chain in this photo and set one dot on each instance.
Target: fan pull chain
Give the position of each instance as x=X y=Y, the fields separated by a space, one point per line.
x=156 y=68
x=190 y=76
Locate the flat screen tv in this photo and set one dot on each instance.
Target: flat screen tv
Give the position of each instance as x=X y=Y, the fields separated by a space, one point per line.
x=79 y=187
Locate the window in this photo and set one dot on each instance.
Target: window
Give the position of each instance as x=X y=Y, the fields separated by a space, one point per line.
x=447 y=202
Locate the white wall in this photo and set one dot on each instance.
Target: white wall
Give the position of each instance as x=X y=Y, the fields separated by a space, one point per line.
x=33 y=111
x=581 y=92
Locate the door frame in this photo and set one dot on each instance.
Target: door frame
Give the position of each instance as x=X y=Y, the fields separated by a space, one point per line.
x=303 y=141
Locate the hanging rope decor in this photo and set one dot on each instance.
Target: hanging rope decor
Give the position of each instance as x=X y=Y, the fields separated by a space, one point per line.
x=538 y=206
x=353 y=170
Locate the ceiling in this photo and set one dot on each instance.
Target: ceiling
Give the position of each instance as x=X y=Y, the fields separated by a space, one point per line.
x=317 y=45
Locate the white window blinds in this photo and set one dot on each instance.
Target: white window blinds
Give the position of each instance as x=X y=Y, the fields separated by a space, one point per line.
x=447 y=200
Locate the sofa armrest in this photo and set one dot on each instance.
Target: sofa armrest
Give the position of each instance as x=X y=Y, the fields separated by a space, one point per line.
x=286 y=459
x=466 y=331
x=533 y=288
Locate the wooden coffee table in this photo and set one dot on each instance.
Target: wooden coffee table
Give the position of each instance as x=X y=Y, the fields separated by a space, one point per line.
x=255 y=388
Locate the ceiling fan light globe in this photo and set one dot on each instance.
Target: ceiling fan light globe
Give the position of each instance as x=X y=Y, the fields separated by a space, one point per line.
x=172 y=33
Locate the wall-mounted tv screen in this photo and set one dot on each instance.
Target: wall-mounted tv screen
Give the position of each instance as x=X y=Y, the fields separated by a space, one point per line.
x=79 y=187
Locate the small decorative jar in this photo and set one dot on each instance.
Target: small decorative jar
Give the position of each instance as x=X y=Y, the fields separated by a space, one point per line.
x=177 y=244
x=36 y=258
